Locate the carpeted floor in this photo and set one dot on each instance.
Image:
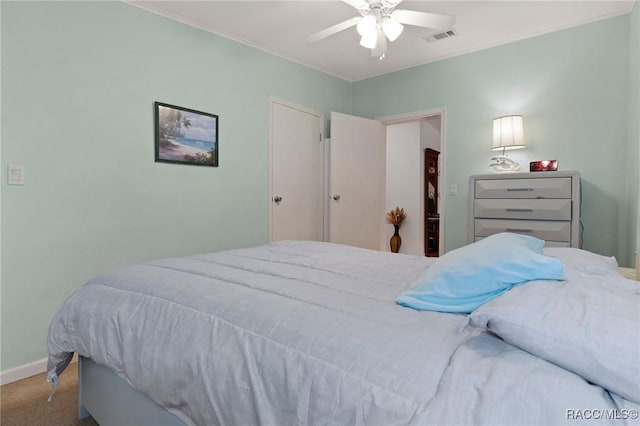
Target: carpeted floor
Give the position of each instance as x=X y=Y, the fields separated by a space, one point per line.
x=24 y=403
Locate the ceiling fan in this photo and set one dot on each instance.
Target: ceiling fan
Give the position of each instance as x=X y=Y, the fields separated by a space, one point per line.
x=381 y=21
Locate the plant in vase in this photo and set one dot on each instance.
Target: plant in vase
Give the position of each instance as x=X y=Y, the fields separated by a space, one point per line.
x=395 y=217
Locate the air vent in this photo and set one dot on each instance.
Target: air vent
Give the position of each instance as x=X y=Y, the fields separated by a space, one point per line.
x=431 y=38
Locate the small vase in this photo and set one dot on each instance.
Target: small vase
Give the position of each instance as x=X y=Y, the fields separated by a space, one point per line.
x=396 y=241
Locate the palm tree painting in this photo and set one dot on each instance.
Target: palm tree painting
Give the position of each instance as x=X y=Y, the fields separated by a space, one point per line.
x=185 y=136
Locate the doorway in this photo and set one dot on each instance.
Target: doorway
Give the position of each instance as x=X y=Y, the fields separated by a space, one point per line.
x=355 y=200
x=409 y=136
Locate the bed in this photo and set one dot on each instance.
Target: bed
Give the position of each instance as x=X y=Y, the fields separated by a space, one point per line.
x=299 y=332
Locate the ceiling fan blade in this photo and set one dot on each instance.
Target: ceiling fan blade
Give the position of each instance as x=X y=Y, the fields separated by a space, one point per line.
x=334 y=29
x=424 y=19
x=358 y=4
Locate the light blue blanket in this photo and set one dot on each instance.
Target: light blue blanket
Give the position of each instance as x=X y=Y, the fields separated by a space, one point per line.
x=296 y=333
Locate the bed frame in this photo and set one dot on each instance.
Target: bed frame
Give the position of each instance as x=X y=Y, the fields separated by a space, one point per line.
x=110 y=400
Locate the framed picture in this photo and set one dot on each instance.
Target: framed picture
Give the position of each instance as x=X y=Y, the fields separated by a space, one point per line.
x=185 y=136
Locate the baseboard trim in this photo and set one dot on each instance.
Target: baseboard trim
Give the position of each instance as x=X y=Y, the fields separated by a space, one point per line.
x=23 y=371
x=26 y=370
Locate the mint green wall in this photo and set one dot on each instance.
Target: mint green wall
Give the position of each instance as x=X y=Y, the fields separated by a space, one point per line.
x=78 y=85
x=571 y=86
x=79 y=81
x=633 y=158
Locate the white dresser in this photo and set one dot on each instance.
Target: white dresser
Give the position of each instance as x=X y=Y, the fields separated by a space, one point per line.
x=542 y=204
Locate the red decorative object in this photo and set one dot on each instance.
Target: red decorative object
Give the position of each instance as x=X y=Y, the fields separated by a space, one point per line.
x=543 y=166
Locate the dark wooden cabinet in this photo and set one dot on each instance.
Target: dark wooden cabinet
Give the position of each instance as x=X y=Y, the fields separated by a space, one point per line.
x=431 y=195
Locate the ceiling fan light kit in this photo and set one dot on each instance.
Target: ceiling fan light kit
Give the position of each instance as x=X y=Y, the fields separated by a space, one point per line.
x=367 y=25
x=369 y=41
x=381 y=22
x=392 y=29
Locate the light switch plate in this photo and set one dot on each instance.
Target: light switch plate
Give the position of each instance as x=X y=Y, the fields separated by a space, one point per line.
x=15 y=174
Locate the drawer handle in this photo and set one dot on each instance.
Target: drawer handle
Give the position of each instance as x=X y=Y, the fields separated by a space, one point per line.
x=519 y=189
x=519 y=230
x=519 y=210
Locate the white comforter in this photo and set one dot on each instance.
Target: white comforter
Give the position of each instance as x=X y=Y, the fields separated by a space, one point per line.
x=295 y=333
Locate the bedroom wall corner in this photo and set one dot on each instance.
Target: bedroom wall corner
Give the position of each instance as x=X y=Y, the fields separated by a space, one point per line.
x=2 y=176
x=633 y=159
x=78 y=84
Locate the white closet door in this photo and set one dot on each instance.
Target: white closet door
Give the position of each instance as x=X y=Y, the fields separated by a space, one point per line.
x=357 y=181
x=296 y=173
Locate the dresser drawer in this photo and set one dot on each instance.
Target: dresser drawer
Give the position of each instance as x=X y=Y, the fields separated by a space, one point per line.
x=523 y=188
x=543 y=209
x=543 y=229
x=557 y=244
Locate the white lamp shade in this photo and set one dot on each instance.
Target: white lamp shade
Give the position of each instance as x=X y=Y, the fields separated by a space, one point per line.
x=392 y=29
x=508 y=133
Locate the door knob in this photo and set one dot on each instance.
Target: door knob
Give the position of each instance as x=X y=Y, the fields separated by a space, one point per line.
x=277 y=199
x=336 y=197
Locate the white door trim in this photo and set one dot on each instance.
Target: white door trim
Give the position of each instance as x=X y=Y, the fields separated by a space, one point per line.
x=416 y=116
x=326 y=158
x=412 y=116
x=275 y=100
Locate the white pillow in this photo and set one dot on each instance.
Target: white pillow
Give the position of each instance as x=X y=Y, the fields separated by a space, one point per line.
x=583 y=260
x=589 y=325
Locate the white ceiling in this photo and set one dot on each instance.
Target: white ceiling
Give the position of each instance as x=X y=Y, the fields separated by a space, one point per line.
x=282 y=27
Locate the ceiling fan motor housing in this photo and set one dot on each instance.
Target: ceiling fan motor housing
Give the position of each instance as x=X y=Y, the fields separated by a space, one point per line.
x=381 y=22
